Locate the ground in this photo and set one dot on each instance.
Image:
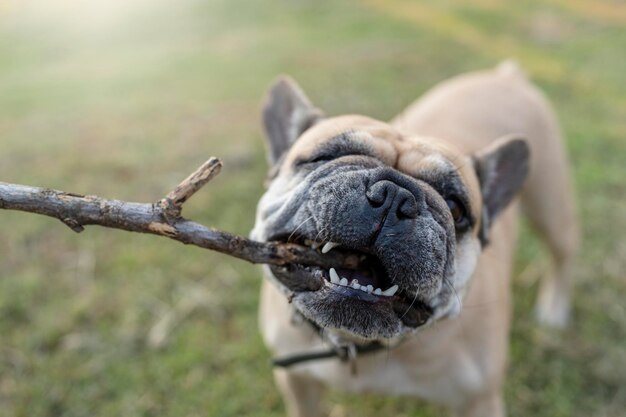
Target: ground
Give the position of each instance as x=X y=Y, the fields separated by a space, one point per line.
x=124 y=99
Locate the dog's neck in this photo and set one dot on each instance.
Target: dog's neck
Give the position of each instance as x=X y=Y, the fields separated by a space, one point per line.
x=342 y=346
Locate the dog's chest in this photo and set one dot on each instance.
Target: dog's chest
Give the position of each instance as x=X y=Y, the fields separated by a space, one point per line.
x=402 y=371
x=425 y=366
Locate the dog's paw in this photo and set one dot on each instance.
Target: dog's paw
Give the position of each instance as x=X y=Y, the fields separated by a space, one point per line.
x=553 y=308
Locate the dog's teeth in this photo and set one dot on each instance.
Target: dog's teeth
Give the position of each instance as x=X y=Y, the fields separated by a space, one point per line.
x=334 y=277
x=344 y=282
x=328 y=246
x=378 y=291
x=370 y=288
x=390 y=291
x=355 y=284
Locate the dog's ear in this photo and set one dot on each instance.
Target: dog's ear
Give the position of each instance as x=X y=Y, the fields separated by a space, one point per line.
x=502 y=168
x=287 y=113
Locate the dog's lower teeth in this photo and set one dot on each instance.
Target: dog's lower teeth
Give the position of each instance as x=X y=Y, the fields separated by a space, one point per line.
x=390 y=291
x=337 y=280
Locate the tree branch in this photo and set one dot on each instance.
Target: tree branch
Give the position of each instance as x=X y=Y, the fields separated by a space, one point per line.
x=163 y=219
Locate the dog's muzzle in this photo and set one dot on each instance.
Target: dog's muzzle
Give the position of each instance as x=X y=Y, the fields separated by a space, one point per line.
x=398 y=229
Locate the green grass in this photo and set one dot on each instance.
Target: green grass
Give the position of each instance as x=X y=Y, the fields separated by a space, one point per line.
x=125 y=102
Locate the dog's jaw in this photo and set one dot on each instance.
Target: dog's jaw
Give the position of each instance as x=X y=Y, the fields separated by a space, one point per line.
x=418 y=263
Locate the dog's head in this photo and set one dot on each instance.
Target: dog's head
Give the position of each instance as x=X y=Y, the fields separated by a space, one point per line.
x=417 y=210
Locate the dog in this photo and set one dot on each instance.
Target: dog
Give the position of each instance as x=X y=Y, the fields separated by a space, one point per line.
x=429 y=203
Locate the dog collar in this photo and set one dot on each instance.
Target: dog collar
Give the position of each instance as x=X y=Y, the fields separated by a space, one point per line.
x=345 y=352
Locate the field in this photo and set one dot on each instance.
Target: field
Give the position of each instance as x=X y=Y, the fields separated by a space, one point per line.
x=124 y=99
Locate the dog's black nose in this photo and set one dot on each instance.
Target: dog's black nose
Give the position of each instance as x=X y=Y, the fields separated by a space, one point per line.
x=392 y=200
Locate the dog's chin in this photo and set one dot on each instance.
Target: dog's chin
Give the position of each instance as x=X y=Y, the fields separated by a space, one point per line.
x=360 y=315
x=361 y=303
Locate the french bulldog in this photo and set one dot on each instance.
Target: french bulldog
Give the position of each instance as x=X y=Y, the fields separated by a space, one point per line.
x=429 y=201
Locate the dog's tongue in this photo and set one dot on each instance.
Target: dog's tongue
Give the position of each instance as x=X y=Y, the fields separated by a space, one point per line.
x=364 y=277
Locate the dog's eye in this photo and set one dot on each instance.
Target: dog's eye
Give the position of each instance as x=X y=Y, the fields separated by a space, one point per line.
x=316 y=159
x=321 y=158
x=458 y=211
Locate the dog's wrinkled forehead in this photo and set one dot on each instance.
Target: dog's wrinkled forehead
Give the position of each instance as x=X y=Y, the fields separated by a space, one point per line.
x=339 y=135
x=424 y=158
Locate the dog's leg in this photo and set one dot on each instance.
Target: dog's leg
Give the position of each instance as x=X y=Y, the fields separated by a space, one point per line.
x=553 y=303
x=488 y=405
x=550 y=206
x=302 y=395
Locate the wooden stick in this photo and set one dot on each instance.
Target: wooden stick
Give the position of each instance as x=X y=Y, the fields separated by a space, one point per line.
x=163 y=219
x=172 y=204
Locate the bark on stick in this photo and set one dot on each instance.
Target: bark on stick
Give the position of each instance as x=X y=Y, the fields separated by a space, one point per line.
x=162 y=218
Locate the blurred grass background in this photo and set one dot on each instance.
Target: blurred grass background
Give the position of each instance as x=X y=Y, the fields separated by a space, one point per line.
x=124 y=99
